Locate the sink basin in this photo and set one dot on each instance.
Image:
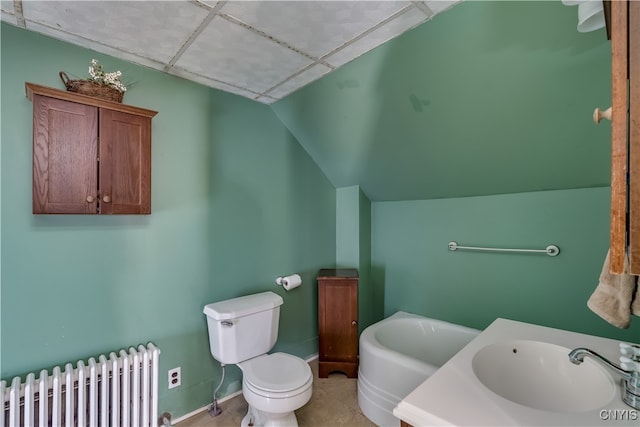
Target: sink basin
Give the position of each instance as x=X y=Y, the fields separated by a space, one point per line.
x=539 y=375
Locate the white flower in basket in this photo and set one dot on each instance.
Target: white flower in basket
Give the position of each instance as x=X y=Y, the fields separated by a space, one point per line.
x=97 y=75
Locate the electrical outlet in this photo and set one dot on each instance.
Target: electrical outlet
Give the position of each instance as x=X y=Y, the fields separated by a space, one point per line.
x=175 y=377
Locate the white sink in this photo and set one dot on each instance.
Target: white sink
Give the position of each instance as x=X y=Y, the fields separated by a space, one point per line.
x=519 y=374
x=539 y=375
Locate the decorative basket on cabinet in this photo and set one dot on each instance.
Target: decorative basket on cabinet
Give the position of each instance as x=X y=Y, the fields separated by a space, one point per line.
x=99 y=84
x=89 y=88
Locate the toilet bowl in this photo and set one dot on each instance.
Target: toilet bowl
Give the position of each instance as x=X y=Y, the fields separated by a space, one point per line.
x=241 y=331
x=274 y=386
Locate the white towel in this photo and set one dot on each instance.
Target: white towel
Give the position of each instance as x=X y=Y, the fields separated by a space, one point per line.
x=616 y=297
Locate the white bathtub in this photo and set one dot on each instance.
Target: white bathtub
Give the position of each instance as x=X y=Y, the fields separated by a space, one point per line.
x=397 y=354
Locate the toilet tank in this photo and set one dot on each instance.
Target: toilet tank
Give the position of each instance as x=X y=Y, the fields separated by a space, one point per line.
x=244 y=327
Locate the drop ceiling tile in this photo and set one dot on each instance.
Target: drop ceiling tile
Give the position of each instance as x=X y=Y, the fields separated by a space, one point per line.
x=307 y=76
x=93 y=45
x=235 y=55
x=209 y=3
x=8 y=13
x=391 y=29
x=262 y=50
x=265 y=99
x=212 y=83
x=153 y=29
x=8 y=18
x=437 y=6
x=314 y=27
x=7 y=6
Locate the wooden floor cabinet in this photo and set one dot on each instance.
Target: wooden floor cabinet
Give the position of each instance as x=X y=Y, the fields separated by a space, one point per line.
x=90 y=156
x=338 y=322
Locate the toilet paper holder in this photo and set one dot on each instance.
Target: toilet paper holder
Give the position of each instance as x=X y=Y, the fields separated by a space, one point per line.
x=289 y=282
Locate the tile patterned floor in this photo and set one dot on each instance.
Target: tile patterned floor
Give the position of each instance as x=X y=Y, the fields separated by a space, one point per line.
x=334 y=403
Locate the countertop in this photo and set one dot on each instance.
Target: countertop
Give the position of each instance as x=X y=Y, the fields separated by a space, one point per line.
x=454 y=396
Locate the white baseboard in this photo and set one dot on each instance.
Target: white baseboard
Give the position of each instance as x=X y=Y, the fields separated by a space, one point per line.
x=205 y=408
x=312 y=357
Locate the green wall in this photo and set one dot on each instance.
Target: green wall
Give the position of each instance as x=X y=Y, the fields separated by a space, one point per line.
x=416 y=272
x=239 y=195
x=489 y=97
x=353 y=245
x=236 y=202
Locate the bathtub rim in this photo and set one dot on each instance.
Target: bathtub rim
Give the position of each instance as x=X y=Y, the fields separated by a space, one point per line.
x=368 y=339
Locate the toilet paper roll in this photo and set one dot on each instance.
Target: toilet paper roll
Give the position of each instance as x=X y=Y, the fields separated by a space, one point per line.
x=291 y=282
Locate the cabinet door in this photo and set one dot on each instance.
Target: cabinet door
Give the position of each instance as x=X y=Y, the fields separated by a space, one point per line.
x=125 y=163
x=338 y=307
x=64 y=157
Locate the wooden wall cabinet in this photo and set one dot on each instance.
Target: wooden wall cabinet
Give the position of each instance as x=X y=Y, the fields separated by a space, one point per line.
x=624 y=30
x=90 y=156
x=338 y=322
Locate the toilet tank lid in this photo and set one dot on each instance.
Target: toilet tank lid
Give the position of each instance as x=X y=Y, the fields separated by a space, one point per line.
x=242 y=306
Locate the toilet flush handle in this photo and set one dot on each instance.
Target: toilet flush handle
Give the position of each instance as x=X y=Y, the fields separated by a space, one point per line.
x=226 y=323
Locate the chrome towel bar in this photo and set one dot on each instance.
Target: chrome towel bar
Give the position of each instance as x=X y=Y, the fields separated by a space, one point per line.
x=551 y=250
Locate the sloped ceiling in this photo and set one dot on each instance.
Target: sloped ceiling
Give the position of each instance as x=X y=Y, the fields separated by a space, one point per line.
x=261 y=50
x=487 y=98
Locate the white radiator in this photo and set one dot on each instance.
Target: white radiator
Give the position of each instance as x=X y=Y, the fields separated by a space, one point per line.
x=118 y=391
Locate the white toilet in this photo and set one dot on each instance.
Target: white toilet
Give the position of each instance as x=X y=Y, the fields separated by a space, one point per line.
x=241 y=332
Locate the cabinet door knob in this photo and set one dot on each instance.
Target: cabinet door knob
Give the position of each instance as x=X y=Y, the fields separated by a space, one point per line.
x=598 y=114
x=354 y=323
x=106 y=199
x=90 y=199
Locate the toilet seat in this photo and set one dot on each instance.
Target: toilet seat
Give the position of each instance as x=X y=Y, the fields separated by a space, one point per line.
x=276 y=375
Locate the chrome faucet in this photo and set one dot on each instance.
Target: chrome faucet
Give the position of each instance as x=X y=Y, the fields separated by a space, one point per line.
x=629 y=369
